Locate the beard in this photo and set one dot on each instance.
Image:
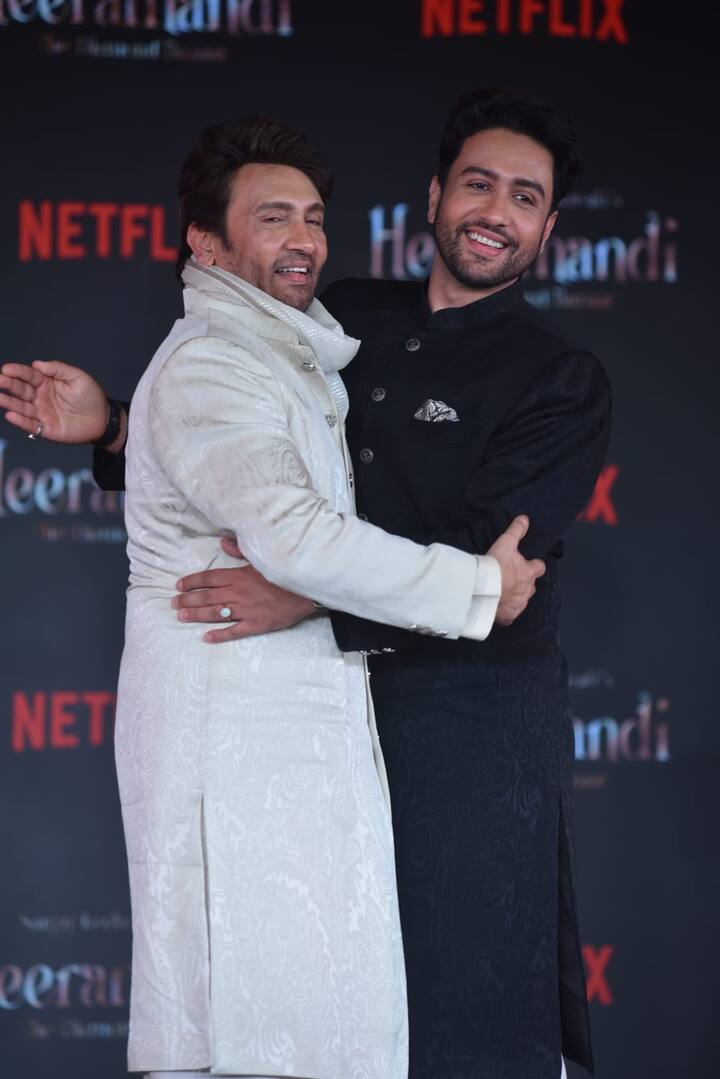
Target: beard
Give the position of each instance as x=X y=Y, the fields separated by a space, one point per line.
x=295 y=294
x=473 y=271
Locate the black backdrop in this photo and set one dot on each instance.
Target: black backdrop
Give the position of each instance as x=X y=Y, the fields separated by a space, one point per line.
x=100 y=99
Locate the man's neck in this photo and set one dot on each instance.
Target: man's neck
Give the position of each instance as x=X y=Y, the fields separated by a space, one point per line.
x=445 y=291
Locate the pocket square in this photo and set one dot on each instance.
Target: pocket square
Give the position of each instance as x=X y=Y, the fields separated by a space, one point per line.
x=436 y=412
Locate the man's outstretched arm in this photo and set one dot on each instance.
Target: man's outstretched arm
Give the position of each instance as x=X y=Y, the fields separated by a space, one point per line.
x=72 y=408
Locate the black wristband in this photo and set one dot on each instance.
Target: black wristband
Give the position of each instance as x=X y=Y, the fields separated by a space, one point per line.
x=113 y=425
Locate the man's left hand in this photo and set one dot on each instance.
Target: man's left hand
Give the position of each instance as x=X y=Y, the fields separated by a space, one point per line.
x=256 y=606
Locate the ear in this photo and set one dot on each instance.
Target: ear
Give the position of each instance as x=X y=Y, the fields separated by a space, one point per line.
x=549 y=226
x=202 y=244
x=434 y=196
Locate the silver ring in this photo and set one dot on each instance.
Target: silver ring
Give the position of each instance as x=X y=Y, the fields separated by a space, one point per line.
x=38 y=431
x=225 y=612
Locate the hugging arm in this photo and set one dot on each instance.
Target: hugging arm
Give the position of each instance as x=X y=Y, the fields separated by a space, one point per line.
x=543 y=461
x=220 y=430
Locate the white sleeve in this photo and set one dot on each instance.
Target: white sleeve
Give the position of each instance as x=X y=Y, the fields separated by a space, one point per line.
x=484 y=604
x=219 y=427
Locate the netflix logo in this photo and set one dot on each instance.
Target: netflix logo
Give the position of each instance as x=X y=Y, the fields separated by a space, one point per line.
x=61 y=720
x=596 y=962
x=87 y=230
x=601 y=508
x=597 y=20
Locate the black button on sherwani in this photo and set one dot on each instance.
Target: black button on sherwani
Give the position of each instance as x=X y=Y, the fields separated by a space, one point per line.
x=486 y=412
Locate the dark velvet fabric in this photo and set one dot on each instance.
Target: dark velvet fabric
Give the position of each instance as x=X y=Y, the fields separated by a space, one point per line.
x=477 y=736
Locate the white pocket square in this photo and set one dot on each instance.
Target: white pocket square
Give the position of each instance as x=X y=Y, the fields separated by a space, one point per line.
x=436 y=412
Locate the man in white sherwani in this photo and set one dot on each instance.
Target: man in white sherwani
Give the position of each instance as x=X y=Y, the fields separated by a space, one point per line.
x=266 y=937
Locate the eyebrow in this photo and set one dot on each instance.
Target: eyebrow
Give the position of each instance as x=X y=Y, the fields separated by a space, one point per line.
x=518 y=181
x=314 y=208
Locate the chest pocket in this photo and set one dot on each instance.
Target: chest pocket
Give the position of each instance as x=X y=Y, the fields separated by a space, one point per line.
x=464 y=432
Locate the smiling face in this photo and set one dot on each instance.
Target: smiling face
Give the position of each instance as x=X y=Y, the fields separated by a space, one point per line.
x=492 y=215
x=275 y=235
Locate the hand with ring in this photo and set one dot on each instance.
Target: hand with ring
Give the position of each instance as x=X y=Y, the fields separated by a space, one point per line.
x=53 y=400
x=241 y=596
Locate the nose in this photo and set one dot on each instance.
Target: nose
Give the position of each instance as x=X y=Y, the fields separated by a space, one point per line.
x=300 y=237
x=494 y=207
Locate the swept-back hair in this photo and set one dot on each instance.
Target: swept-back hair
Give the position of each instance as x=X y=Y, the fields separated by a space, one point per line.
x=207 y=172
x=482 y=109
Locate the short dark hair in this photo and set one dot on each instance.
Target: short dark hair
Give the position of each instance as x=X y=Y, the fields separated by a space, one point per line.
x=208 y=170
x=482 y=109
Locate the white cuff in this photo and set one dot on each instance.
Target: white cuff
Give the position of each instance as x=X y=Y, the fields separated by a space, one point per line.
x=486 y=596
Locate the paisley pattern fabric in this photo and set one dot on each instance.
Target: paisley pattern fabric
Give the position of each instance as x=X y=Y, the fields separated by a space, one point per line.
x=266 y=937
x=475 y=761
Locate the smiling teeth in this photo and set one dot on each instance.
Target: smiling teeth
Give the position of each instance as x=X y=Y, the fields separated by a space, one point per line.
x=293 y=269
x=484 y=240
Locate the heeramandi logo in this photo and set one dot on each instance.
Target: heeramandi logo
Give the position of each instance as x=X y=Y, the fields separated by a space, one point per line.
x=66 y=994
x=63 y=505
x=578 y=270
x=156 y=25
x=598 y=20
x=80 y=1000
x=603 y=741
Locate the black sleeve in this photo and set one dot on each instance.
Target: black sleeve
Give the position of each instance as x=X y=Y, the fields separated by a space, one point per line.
x=543 y=461
x=109 y=468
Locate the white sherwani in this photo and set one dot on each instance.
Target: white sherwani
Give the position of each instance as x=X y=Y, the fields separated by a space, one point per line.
x=266 y=937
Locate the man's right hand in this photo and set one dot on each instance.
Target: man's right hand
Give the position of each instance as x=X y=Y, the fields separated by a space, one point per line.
x=69 y=404
x=518 y=574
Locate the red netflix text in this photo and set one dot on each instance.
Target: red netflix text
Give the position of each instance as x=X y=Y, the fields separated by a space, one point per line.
x=601 y=20
x=596 y=964
x=82 y=230
x=61 y=720
x=601 y=508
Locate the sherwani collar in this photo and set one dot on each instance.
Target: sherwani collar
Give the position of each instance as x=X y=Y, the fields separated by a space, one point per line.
x=316 y=328
x=477 y=315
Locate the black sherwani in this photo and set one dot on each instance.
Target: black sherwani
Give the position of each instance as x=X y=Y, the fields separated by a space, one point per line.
x=477 y=736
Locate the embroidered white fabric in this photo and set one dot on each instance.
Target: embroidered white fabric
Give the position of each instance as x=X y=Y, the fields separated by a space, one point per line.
x=266 y=937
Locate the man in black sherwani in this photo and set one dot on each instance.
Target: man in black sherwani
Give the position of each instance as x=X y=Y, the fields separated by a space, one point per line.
x=467 y=409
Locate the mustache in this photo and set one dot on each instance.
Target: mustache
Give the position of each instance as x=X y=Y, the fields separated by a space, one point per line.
x=301 y=258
